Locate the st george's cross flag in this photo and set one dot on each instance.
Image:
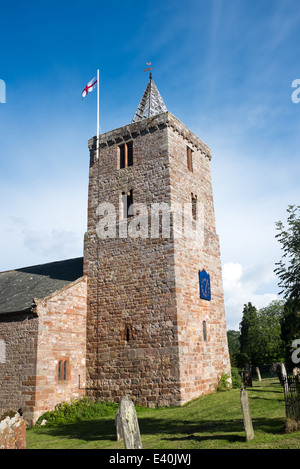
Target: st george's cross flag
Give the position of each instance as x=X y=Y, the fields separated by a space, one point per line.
x=89 y=87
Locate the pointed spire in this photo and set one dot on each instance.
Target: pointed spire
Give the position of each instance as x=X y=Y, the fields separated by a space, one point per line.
x=150 y=104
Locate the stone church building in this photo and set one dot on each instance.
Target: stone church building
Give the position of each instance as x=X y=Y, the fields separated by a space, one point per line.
x=142 y=313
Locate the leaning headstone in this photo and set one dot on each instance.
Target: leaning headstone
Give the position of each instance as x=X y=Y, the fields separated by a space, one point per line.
x=129 y=424
x=258 y=373
x=118 y=425
x=284 y=378
x=278 y=371
x=272 y=370
x=246 y=415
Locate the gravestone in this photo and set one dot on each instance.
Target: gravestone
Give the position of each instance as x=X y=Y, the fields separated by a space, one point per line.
x=246 y=415
x=258 y=373
x=118 y=425
x=247 y=379
x=13 y=432
x=127 y=424
x=284 y=378
x=296 y=371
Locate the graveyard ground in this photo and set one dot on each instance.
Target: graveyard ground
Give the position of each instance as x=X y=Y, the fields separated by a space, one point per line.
x=210 y=422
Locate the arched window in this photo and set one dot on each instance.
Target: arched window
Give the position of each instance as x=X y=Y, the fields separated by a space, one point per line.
x=59 y=370
x=65 y=370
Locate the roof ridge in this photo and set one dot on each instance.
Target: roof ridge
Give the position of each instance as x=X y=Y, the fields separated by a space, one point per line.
x=40 y=265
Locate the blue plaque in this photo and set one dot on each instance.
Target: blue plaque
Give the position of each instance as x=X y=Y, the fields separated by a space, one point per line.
x=204 y=282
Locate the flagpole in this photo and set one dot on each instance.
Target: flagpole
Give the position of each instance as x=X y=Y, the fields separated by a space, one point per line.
x=98 y=126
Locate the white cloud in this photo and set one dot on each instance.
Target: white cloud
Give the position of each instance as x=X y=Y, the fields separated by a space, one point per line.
x=55 y=244
x=44 y=228
x=242 y=285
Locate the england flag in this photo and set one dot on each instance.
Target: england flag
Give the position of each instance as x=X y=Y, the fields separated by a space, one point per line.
x=89 y=87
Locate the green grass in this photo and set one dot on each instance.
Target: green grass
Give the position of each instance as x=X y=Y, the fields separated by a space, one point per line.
x=212 y=422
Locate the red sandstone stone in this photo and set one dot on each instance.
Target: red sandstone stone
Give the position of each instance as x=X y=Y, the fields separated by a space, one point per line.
x=13 y=433
x=147 y=282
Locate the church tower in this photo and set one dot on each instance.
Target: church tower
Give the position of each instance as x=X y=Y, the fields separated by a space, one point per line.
x=156 y=326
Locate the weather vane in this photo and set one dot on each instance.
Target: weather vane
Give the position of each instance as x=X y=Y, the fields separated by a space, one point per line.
x=149 y=68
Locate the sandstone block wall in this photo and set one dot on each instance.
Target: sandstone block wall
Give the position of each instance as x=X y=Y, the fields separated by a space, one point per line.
x=202 y=359
x=62 y=338
x=18 y=362
x=131 y=323
x=145 y=317
x=35 y=343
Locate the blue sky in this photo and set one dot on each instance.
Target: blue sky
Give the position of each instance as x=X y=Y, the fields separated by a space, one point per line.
x=223 y=67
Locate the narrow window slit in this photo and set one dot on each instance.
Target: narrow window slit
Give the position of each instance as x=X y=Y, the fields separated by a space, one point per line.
x=204 y=331
x=189 y=159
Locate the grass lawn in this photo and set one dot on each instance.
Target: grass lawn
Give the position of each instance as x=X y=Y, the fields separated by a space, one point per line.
x=210 y=422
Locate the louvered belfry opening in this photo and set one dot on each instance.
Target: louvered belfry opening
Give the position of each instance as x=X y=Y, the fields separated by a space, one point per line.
x=126 y=155
x=189 y=159
x=129 y=153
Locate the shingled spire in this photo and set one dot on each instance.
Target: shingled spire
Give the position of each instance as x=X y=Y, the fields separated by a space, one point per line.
x=150 y=104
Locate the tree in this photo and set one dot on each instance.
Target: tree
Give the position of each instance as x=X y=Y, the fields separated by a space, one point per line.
x=269 y=343
x=248 y=333
x=260 y=337
x=288 y=269
x=247 y=330
x=290 y=329
x=234 y=346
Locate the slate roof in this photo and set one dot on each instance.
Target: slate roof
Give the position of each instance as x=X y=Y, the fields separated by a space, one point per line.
x=150 y=104
x=19 y=287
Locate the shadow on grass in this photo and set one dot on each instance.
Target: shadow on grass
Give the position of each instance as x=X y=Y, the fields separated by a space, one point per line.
x=259 y=389
x=213 y=427
x=168 y=430
x=268 y=399
x=199 y=439
x=88 y=430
